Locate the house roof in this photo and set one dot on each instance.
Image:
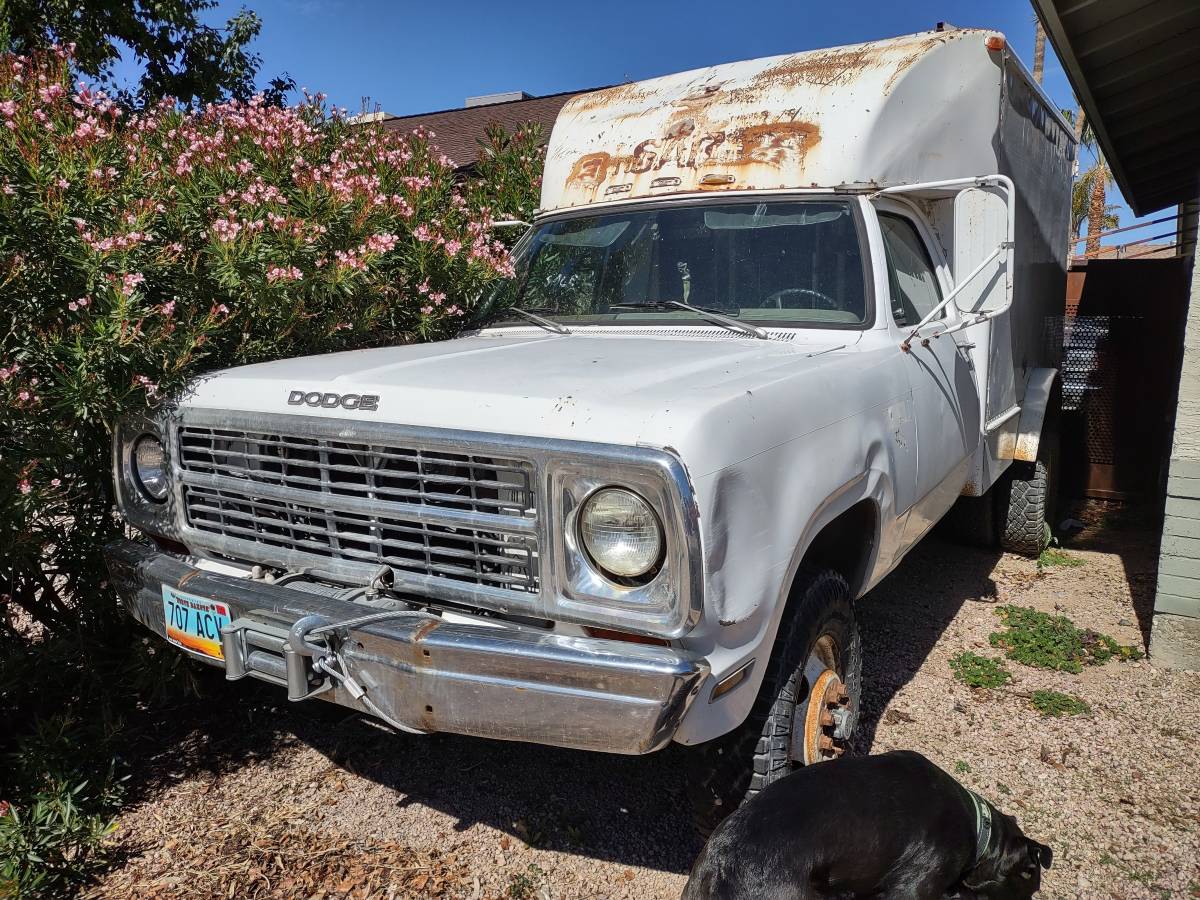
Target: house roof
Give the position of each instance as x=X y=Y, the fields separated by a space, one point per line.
x=458 y=132
x=1135 y=70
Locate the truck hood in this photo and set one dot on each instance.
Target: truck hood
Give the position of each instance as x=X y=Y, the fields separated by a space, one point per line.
x=686 y=393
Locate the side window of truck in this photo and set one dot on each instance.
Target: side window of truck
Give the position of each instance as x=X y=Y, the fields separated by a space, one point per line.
x=911 y=276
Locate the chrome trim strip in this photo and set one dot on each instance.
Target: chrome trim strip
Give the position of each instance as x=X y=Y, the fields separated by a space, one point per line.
x=431 y=515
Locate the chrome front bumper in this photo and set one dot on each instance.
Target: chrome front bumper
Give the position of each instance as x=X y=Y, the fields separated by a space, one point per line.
x=508 y=683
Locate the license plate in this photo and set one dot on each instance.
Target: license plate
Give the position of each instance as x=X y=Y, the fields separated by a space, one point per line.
x=194 y=623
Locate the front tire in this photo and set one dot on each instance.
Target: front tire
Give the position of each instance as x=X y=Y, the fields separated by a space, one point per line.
x=1026 y=504
x=818 y=645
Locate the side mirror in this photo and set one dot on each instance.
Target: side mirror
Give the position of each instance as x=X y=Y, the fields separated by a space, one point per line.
x=981 y=221
x=983 y=246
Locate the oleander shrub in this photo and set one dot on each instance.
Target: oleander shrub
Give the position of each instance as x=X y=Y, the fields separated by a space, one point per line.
x=138 y=249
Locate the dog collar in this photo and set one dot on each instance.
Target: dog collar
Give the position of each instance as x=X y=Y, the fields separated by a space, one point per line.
x=983 y=824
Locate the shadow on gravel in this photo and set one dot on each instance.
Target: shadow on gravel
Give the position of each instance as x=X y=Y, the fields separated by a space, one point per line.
x=1130 y=531
x=629 y=810
x=223 y=729
x=903 y=617
x=625 y=809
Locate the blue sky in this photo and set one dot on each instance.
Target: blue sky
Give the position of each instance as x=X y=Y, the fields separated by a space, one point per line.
x=411 y=57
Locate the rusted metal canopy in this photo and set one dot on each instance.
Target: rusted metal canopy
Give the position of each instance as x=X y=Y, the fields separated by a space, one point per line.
x=921 y=107
x=1134 y=67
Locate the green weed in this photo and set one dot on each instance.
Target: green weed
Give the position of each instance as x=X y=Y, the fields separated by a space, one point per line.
x=1055 y=704
x=524 y=885
x=1038 y=639
x=978 y=671
x=961 y=768
x=1052 y=557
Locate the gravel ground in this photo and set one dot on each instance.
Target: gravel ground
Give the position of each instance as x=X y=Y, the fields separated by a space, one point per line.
x=240 y=795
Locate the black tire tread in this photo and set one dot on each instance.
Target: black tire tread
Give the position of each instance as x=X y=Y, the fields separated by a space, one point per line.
x=736 y=766
x=1024 y=529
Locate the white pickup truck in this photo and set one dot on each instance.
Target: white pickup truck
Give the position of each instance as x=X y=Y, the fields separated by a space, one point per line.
x=772 y=320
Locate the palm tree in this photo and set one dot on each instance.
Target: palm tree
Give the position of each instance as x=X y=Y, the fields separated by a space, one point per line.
x=1039 y=50
x=1089 y=192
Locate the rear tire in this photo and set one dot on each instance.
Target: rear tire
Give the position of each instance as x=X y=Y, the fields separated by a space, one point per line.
x=726 y=772
x=1026 y=504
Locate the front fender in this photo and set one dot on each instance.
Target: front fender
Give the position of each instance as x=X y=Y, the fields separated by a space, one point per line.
x=759 y=525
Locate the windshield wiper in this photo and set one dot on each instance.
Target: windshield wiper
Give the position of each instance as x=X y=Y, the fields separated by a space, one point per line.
x=530 y=316
x=712 y=315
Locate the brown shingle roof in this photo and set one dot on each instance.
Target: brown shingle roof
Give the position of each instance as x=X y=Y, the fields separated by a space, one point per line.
x=458 y=131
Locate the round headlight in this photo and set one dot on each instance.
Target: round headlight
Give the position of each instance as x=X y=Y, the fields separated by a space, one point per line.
x=150 y=467
x=620 y=532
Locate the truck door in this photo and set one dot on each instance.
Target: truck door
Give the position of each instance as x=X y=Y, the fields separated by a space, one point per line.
x=944 y=391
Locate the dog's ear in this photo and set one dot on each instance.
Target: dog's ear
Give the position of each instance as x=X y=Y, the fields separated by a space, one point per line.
x=1041 y=854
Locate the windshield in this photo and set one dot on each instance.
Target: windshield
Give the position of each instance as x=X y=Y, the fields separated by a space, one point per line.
x=788 y=262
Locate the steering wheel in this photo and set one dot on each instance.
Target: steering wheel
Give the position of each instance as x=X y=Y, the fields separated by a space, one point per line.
x=818 y=301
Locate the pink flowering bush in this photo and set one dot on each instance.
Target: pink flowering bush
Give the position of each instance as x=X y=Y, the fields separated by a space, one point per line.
x=137 y=250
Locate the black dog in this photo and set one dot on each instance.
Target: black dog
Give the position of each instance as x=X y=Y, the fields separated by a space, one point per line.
x=887 y=826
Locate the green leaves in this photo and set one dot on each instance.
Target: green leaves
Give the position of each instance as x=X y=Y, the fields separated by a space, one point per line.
x=1038 y=639
x=978 y=671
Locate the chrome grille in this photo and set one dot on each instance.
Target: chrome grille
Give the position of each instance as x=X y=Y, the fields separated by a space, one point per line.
x=423 y=511
x=403 y=474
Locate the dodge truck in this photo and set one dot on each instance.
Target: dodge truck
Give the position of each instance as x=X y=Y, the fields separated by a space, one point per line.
x=772 y=321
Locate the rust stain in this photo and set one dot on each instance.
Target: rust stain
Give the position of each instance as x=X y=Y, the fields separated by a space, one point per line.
x=188 y=577
x=903 y=66
x=774 y=142
x=633 y=92
x=684 y=146
x=825 y=69
x=757 y=127
x=424 y=630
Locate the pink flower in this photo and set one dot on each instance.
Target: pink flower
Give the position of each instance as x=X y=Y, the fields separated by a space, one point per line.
x=131 y=280
x=381 y=243
x=452 y=247
x=25 y=486
x=280 y=273
x=168 y=308
x=55 y=482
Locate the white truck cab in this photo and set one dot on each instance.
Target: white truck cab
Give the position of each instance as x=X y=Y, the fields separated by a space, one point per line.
x=771 y=322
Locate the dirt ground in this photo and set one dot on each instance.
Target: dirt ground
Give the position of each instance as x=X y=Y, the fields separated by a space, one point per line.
x=243 y=795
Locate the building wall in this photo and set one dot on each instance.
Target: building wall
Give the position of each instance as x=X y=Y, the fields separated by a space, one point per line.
x=1175 y=639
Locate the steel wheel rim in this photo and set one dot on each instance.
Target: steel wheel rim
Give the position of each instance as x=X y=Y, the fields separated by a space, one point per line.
x=819 y=720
